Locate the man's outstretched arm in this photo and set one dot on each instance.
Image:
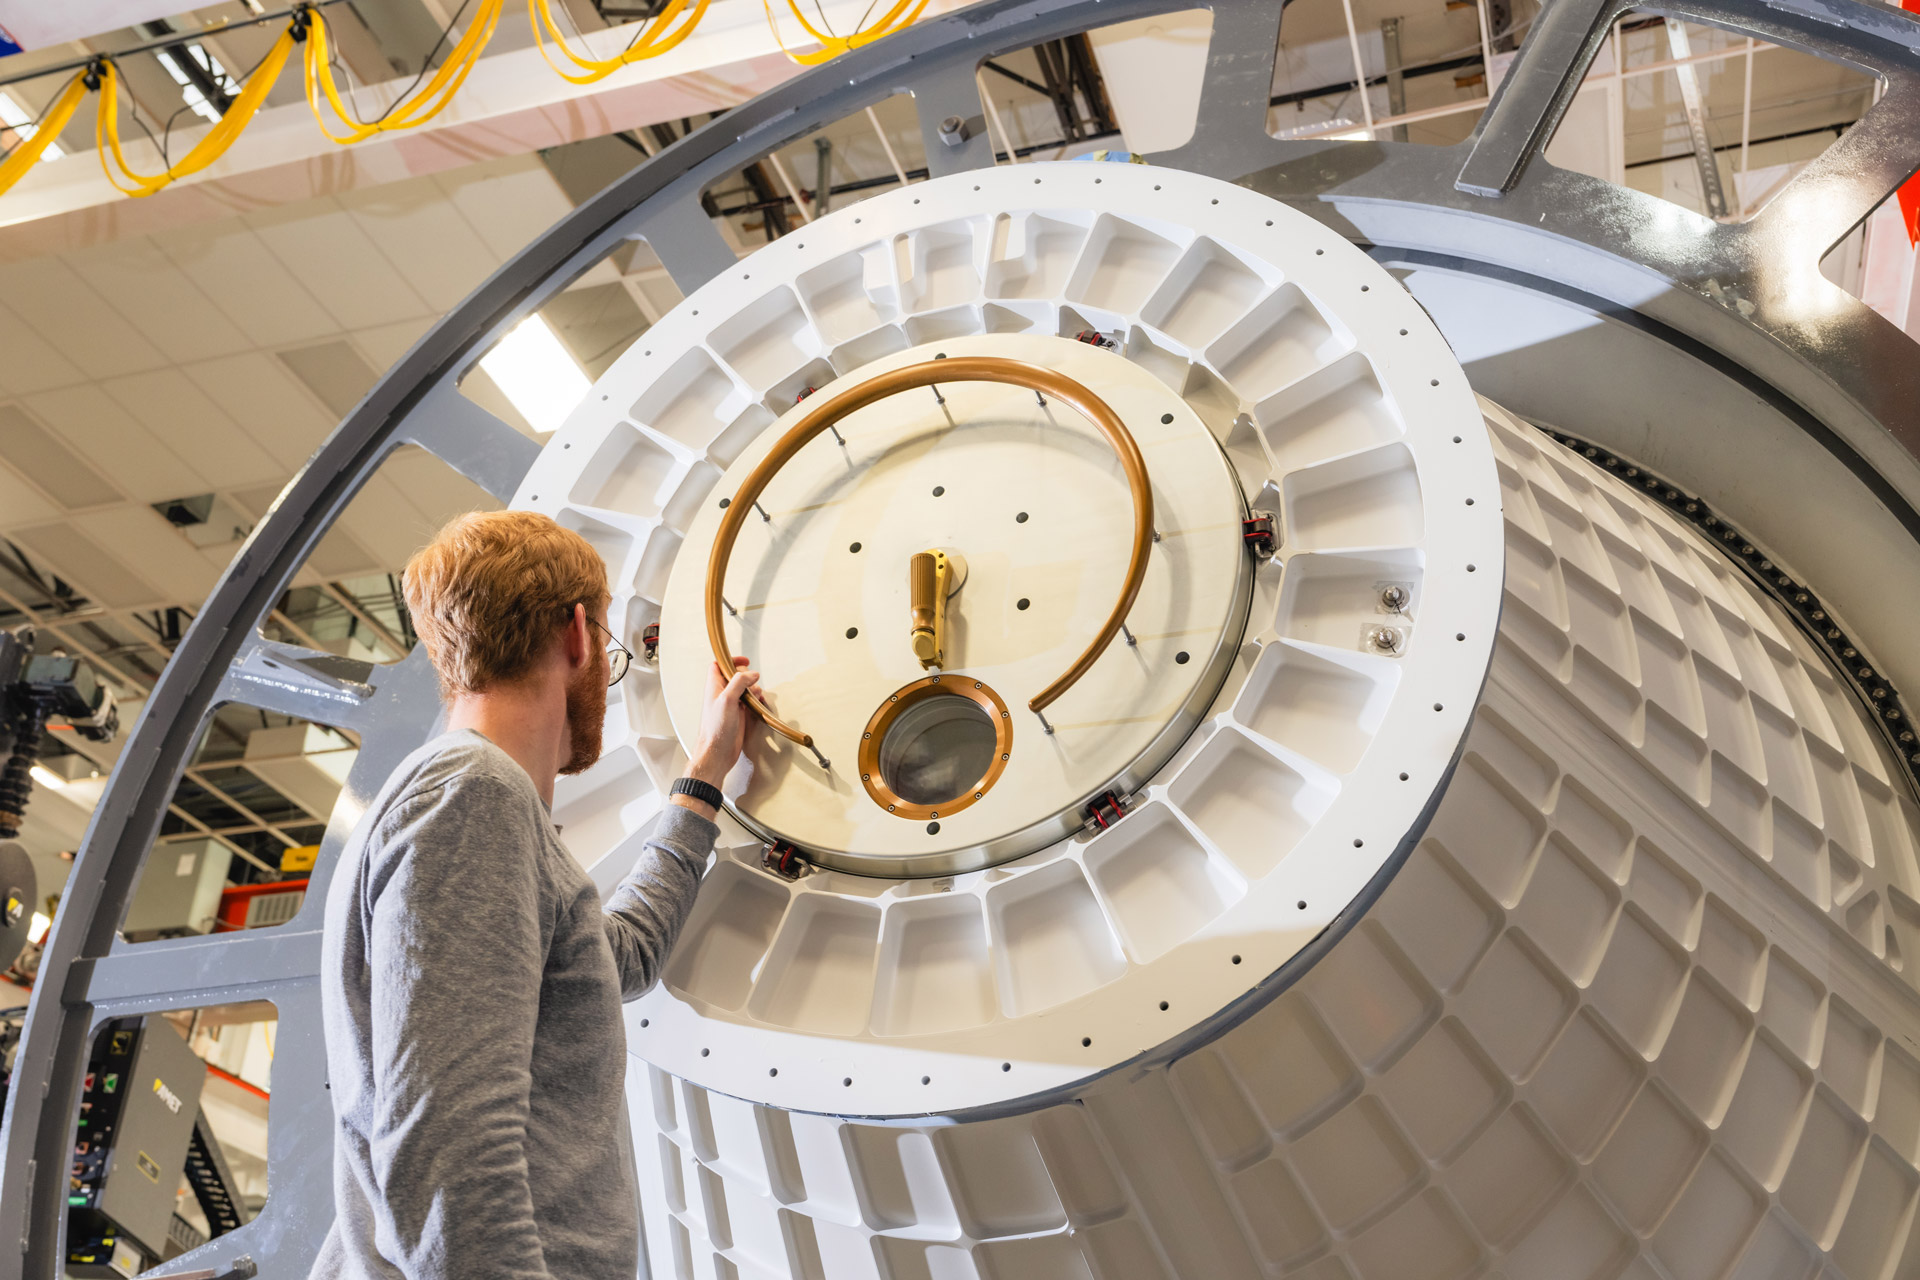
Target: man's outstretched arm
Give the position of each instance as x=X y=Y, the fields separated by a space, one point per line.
x=457 y=952
x=648 y=908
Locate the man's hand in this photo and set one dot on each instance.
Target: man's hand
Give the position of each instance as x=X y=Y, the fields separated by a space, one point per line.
x=723 y=729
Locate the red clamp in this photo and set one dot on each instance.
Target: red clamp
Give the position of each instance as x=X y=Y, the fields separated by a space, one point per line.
x=1094 y=338
x=650 y=641
x=1106 y=810
x=783 y=860
x=804 y=393
x=1258 y=533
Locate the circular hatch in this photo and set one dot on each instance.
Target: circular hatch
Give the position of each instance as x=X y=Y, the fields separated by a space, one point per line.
x=941 y=767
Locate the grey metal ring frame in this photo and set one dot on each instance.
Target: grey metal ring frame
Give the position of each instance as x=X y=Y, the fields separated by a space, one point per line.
x=1486 y=201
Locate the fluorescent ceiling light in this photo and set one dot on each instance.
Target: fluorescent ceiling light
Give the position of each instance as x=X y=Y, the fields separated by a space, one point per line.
x=37 y=931
x=15 y=117
x=1316 y=131
x=189 y=91
x=536 y=374
x=47 y=777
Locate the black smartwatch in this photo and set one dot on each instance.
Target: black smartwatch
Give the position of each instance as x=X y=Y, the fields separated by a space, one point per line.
x=705 y=792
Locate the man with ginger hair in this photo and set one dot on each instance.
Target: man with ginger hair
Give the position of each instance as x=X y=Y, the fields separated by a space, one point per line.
x=471 y=980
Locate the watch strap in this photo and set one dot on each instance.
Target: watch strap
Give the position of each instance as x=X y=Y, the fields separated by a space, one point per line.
x=705 y=792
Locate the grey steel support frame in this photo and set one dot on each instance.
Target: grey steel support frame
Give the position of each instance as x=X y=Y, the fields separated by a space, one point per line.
x=1734 y=294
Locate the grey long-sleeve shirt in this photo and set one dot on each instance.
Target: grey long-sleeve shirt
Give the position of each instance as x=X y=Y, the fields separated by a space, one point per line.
x=470 y=988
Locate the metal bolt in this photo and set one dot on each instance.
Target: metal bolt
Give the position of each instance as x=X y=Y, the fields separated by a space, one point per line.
x=953 y=131
x=1394 y=598
x=1385 y=639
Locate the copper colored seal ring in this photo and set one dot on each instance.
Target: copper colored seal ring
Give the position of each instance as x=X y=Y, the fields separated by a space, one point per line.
x=940 y=686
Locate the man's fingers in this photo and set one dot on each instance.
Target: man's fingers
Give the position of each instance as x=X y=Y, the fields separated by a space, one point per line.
x=738 y=686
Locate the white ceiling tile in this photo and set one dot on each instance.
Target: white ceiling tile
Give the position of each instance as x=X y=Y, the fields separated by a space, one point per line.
x=435 y=490
x=326 y=250
x=218 y=558
x=20 y=502
x=108 y=438
x=84 y=563
x=247 y=282
x=259 y=394
x=180 y=414
x=386 y=343
x=337 y=556
x=51 y=464
x=154 y=549
x=382 y=520
x=51 y=297
x=507 y=202
x=334 y=371
x=424 y=237
x=143 y=285
x=29 y=362
x=255 y=502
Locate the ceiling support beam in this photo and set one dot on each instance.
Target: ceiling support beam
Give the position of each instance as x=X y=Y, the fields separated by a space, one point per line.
x=512 y=103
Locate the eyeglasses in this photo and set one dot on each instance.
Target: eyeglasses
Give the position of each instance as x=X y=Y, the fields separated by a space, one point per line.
x=619 y=657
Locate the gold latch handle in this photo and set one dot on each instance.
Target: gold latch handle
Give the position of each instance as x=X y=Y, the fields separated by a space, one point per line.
x=928 y=574
x=1016 y=373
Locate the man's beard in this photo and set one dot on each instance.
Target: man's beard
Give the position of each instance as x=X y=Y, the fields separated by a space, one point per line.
x=586 y=715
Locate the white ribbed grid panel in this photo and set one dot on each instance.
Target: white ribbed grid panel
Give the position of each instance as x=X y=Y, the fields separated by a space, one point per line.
x=1607 y=1022
x=1341 y=408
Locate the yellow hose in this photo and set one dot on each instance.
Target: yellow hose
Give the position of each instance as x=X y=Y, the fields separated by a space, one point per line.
x=237 y=116
x=413 y=112
x=666 y=31
x=903 y=14
x=659 y=36
x=27 y=152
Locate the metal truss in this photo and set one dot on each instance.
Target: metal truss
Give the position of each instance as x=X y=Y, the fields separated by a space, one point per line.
x=1729 y=293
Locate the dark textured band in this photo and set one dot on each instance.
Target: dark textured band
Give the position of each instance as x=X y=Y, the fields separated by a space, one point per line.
x=704 y=791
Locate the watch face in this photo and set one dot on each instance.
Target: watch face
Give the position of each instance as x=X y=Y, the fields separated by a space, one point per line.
x=1018 y=516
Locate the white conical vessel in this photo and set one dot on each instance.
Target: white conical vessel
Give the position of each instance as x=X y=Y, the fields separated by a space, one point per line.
x=1494 y=875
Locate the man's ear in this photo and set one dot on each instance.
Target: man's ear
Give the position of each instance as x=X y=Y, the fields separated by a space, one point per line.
x=577 y=639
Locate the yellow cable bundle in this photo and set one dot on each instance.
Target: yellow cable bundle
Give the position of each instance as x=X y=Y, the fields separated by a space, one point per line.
x=26 y=153
x=414 y=112
x=656 y=38
x=903 y=14
x=106 y=125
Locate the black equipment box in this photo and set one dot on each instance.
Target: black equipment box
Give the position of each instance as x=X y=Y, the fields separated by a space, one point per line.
x=138 y=1107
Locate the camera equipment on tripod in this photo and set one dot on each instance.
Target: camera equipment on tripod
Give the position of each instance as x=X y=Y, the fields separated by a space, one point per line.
x=36 y=688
